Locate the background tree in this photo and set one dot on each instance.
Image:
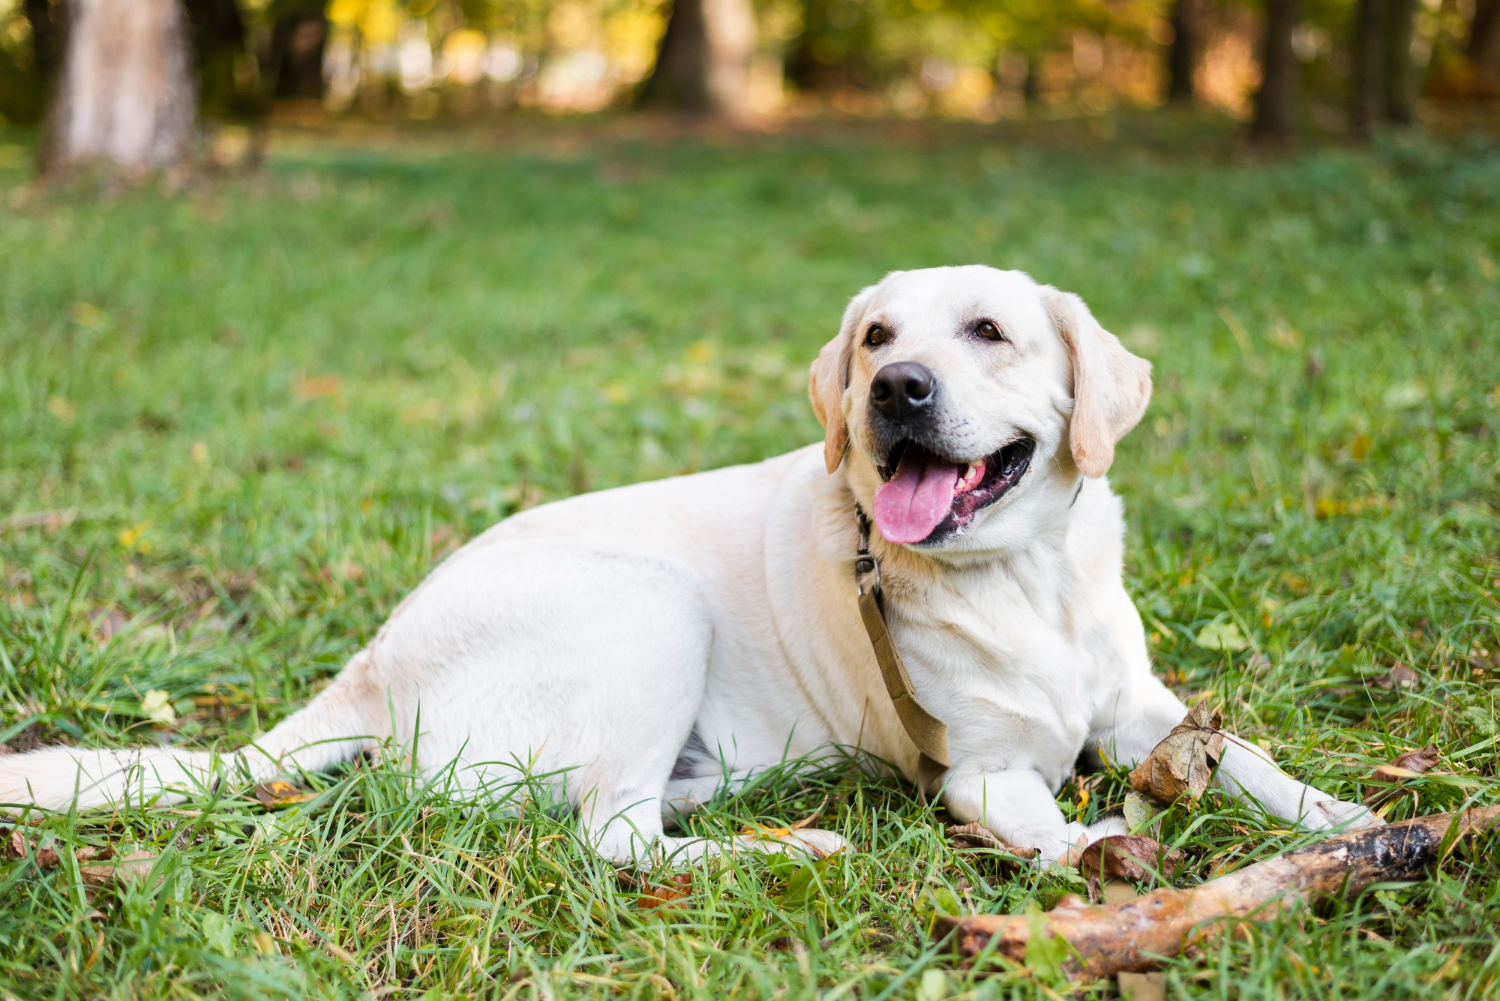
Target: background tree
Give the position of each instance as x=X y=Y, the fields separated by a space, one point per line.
x=1182 y=54
x=1275 y=102
x=703 y=61
x=1400 y=75
x=126 y=95
x=48 y=31
x=1483 y=47
x=294 y=65
x=1382 y=77
x=1367 y=54
x=219 y=47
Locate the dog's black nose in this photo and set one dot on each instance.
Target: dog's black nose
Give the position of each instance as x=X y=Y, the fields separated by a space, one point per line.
x=902 y=389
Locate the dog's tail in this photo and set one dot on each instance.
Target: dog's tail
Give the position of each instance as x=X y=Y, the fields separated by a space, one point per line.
x=333 y=727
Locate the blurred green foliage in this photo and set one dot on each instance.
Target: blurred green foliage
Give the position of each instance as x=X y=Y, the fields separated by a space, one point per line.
x=957 y=58
x=242 y=421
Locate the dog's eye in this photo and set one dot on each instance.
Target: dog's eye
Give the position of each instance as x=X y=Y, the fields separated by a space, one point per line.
x=989 y=331
x=876 y=335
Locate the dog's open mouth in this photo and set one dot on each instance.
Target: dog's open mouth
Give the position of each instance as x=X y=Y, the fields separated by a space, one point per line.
x=927 y=495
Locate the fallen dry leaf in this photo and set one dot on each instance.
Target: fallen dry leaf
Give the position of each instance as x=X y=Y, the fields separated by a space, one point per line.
x=107 y=622
x=277 y=794
x=1399 y=676
x=1181 y=765
x=975 y=835
x=136 y=865
x=1143 y=986
x=313 y=387
x=14 y=845
x=676 y=888
x=1418 y=761
x=1130 y=856
x=49 y=520
x=1410 y=765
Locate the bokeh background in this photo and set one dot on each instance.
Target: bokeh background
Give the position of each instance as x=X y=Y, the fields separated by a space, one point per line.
x=301 y=60
x=360 y=279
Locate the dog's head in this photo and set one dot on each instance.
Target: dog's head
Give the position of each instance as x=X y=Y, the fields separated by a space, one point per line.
x=953 y=394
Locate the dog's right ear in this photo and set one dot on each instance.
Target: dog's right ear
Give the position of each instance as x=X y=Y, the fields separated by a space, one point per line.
x=829 y=377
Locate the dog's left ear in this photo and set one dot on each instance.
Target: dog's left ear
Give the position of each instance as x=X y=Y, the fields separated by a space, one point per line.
x=829 y=377
x=1111 y=386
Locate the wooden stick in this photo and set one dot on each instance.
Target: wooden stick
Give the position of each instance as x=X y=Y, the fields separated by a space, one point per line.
x=1136 y=935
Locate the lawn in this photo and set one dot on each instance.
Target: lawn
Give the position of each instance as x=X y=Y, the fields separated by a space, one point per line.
x=239 y=421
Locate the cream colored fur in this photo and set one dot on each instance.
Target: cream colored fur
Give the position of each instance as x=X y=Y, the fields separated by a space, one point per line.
x=708 y=623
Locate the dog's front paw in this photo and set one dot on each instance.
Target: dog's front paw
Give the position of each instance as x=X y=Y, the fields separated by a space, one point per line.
x=1336 y=815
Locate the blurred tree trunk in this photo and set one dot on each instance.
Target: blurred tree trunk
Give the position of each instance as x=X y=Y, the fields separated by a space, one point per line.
x=1383 y=77
x=126 y=93
x=48 y=31
x=1369 y=55
x=218 y=43
x=1483 y=48
x=1182 y=56
x=1275 y=103
x=703 y=61
x=1031 y=87
x=297 y=39
x=1400 y=74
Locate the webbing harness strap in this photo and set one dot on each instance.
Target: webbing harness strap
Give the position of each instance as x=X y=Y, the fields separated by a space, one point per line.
x=926 y=731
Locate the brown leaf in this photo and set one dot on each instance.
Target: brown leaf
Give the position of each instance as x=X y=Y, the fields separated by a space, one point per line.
x=136 y=865
x=1143 y=986
x=1410 y=765
x=277 y=794
x=107 y=622
x=1420 y=760
x=16 y=846
x=1181 y=765
x=1130 y=856
x=975 y=835
x=676 y=888
x=313 y=387
x=1399 y=676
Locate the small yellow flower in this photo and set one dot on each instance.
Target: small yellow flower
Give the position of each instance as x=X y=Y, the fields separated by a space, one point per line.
x=86 y=314
x=199 y=452
x=134 y=537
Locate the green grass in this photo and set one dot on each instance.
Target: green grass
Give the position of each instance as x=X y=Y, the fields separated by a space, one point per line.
x=261 y=408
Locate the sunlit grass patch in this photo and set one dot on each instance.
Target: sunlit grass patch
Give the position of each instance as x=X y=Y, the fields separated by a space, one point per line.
x=241 y=423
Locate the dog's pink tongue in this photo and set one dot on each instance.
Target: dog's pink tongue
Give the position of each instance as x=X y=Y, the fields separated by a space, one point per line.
x=913 y=502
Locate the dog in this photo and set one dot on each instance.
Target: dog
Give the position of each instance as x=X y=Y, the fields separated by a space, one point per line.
x=649 y=646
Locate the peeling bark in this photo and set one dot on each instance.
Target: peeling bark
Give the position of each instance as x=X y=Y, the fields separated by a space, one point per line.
x=127 y=94
x=1136 y=935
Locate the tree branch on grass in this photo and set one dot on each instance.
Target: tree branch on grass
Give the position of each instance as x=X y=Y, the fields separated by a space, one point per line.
x=1106 y=940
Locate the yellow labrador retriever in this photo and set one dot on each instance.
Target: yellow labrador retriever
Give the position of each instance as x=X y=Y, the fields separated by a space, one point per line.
x=649 y=645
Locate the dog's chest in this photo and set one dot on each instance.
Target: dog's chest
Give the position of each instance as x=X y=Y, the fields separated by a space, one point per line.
x=1018 y=666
